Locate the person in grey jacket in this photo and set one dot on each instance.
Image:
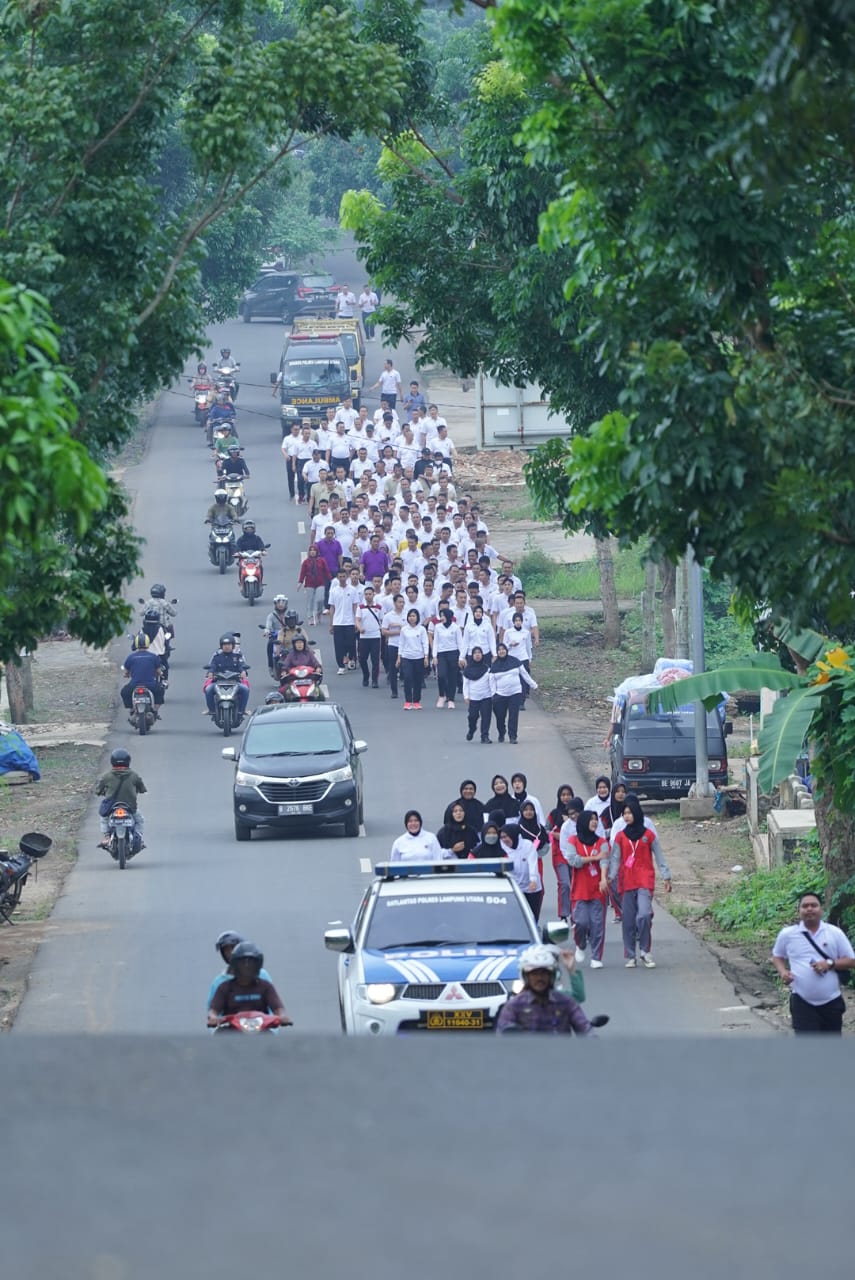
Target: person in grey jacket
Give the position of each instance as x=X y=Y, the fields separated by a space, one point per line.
x=507 y=677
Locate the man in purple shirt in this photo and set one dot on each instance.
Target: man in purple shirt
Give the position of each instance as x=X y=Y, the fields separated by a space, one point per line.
x=375 y=560
x=539 y=1007
x=329 y=548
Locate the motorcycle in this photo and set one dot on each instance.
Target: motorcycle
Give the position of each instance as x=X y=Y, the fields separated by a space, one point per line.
x=123 y=836
x=302 y=684
x=250 y=574
x=252 y=1022
x=227 y=715
x=143 y=711
x=219 y=420
x=291 y=626
x=15 y=870
x=221 y=545
x=237 y=503
x=226 y=373
x=160 y=634
x=203 y=396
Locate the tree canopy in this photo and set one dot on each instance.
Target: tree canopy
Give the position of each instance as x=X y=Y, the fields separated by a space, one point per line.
x=129 y=133
x=705 y=158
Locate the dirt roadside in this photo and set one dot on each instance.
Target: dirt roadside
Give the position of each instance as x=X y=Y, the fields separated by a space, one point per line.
x=576 y=674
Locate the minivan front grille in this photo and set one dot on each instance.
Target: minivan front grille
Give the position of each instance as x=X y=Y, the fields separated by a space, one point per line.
x=303 y=793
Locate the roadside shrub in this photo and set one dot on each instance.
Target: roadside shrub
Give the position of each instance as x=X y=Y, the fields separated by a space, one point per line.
x=764 y=902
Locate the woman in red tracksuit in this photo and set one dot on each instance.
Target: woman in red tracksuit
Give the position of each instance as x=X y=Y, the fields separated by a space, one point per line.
x=634 y=851
x=589 y=858
x=560 y=834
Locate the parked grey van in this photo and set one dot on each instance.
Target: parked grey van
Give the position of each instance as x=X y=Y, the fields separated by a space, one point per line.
x=653 y=751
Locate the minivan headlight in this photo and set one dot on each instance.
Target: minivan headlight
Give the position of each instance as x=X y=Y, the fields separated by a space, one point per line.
x=243 y=779
x=341 y=775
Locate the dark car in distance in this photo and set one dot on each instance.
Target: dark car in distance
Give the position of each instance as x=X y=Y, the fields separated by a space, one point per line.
x=282 y=295
x=298 y=766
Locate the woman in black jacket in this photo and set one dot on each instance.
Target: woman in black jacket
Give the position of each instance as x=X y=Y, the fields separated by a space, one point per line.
x=455 y=835
x=502 y=801
x=472 y=807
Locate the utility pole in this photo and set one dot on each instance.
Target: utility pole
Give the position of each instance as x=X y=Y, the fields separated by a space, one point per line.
x=696 y=614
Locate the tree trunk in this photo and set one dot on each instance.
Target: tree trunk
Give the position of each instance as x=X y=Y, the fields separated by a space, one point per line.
x=27 y=678
x=668 y=589
x=17 y=695
x=836 y=833
x=608 y=593
x=682 y=610
x=648 y=619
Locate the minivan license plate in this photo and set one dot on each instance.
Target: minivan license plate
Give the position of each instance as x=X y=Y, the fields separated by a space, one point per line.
x=289 y=810
x=678 y=782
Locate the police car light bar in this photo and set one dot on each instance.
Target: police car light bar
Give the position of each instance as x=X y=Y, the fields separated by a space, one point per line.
x=463 y=866
x=312 y=337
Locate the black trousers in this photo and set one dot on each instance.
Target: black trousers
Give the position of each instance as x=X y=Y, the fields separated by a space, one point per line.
x=507 y=709
x=817 y=1017
x=369 y=654
x=344 y=643
x=292 y=478
x=484 y=711
x=412 y=674
x=447 y=667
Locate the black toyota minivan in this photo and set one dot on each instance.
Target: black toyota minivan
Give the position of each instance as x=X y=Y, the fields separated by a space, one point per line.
x=653 y=751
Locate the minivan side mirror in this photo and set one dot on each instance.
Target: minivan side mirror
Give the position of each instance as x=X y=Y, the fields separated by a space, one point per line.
x=273 y=378
x=228 y=753
x=353 y=375
x=359 y=746
x=728 y=727
x=555 y=931
x=338 y=939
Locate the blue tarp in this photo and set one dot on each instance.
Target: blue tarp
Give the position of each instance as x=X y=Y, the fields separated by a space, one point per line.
x=15 y=754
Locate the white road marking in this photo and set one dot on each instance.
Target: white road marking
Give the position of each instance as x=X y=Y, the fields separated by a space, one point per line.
x=301 y=526
x=365 y=863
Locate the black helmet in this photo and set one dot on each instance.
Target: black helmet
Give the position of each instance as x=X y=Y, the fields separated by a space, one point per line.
x=158 y=591
x=227 y=939
x=247 y=951
x=299 y=636
x=249 y=526
x=120 y=759
x=226 y=639
x=273 y=698
x=140 y=641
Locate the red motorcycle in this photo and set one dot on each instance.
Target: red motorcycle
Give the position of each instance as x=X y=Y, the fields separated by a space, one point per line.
x=203 y=398
x=302 y=684
x=250 y=574
x=251 y=1022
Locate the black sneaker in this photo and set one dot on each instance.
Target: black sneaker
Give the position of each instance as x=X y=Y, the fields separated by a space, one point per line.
x=486 y=739
x=512 y=740
x=501 y=737
x=470 y=734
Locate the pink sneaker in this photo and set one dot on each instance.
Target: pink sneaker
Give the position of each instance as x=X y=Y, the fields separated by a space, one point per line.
x=415 y=706
x=408 y=706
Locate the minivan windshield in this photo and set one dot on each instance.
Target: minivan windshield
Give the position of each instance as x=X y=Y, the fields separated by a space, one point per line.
x=293 y=738
x=312 y=373
x=447 y=919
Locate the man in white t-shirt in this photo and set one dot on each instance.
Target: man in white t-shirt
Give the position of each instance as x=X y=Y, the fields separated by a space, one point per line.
x=808 y=956
x=389 y=383
x=368 y=304
x=347 y=414
x=289 y=444
x=344 y=303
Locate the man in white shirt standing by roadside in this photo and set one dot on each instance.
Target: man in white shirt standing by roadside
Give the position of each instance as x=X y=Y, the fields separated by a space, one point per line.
x=368 y=304
x=809 y=956
x=344 y=303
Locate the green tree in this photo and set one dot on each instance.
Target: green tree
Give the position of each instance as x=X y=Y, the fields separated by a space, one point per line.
x=129 y=133
x=705 y=158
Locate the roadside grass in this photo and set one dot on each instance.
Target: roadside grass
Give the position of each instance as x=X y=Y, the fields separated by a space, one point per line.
x=765 y=901
x=549 y=580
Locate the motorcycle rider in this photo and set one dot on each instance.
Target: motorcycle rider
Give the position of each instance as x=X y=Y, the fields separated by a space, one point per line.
x=233 y=464
x=158 y=603
x=142 y=668
x=227 y=658
x=121 y=786
x=276 y=622
x=299 y=655
x=249 y=540
x=246 y=991
x=539 y=1007
x=218 y=512
x=226 y=361
x=222 y=438
x=226 y=944
x=222 y=410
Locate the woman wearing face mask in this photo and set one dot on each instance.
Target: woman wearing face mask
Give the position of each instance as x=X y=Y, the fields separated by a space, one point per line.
x=589 y=858
x=524 y=858
x=455 y=835
x=501 y=803
x=634 y=851
x=476 y=691
x=416 y=844
x=488 y=846
x=447 y=639
x=508 y=677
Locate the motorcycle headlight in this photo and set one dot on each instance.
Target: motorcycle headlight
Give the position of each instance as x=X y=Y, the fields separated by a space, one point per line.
x=381 y=992
x=245 y=779
x=341 y=775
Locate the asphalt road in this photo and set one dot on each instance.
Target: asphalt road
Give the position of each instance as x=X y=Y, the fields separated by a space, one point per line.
x=133 y=951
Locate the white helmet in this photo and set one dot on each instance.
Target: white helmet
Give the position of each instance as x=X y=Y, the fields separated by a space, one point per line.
x=540 y=956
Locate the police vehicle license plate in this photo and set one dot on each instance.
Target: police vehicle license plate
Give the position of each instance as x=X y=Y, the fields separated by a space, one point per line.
x=289 y=810
x=455 y=1020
